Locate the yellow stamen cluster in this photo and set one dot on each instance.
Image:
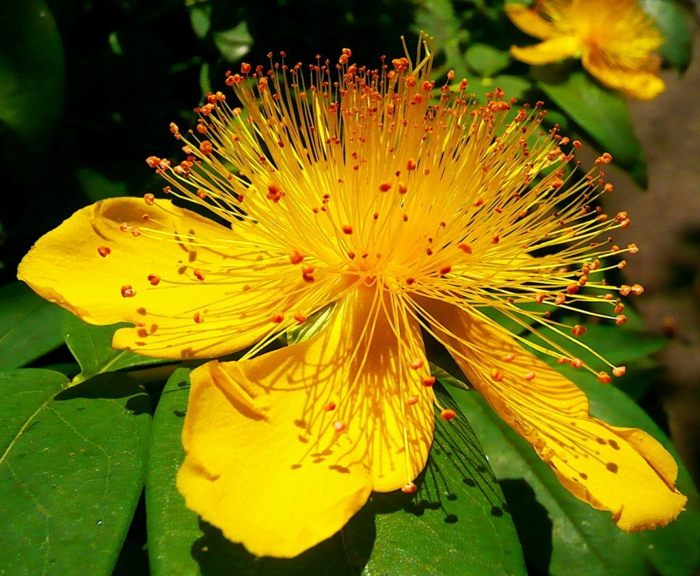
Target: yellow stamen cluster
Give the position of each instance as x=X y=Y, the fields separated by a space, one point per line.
x=347 y=176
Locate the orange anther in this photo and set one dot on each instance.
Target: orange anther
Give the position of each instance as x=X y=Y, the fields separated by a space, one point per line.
x=198 y=275
x=329 y=407
x=128 y=291
x=347 y=229
x=560 y=299
x=246 y=68
x=417 y=364
x=572 y=288
x=508 y=357
x=154 y=279
x=428 y=381
x=198 y=318
x=274 y=192
x=296 y=257
x=409 y=488
x=448 y=414
x=464 y=247
x=338 y=425
x=412 y=401
x=411 y=164
x=299 y=317
x=604 y=158
x=604 y=378
x=385 y=186
x=496 y=375
x=153 y=161
x=578 y=330
x=621 y=319
x=619 y=371
x=530 y=376
x=149 y=199
x=576 y=363
x=277 y=318
x=445 y=270
x=104 y=251
x=206 y=147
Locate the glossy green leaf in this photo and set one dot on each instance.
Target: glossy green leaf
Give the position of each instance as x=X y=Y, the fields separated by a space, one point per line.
x=557 y=530
x=674 y=21
x=32 y=78
x=71 y=470
x=29 y=326
x=456 y=520
x=486 y=60
x=601 y=113
x=92 y=348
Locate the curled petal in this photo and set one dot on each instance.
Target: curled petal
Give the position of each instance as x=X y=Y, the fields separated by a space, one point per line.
x=549 y=51
x=530 y=21
x=622 y=470
x=191 y=287
x=641 y=84
x=283 y=449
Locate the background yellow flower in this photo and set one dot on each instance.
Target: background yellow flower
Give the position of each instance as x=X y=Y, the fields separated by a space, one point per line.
x=616 y=41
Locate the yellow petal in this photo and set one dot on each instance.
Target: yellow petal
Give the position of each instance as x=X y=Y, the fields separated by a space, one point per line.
x=169 y=271
x=268 y=461
x=549 y=51
x=634 y=83
x=622 y=470
x=530 y=21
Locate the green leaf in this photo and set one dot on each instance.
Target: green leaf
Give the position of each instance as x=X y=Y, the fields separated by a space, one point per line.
x=92 y=348
x=486 y=60
x=674 y=21
x=618 y=344
x=456 y=520
x=234 y=43
x=601 y=113
x=557 y=530
x=512 y=86
x=32 y=78
x=29 y=326
x=172 y=528
x=437 y=18
x=98 y=187
x=71 y=470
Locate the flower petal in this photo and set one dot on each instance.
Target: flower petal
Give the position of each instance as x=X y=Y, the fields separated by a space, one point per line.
x=635 y=83
x=283 y=449
x=530 y=21
x=549 y=51
x=182 y=279
x=622 y=470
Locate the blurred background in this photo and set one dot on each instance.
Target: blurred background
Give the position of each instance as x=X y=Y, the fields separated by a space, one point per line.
x=88 y=88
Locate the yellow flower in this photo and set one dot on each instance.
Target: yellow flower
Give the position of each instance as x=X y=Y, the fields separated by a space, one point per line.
x=347 y=191
x=616 y=41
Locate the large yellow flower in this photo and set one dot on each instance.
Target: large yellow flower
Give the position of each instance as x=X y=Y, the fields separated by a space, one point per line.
x=347 y=192
x=615 y=39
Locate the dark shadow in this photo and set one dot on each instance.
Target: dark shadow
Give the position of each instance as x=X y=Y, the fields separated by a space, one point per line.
x=216 y=556
x=111 y=386
x=532 y=524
